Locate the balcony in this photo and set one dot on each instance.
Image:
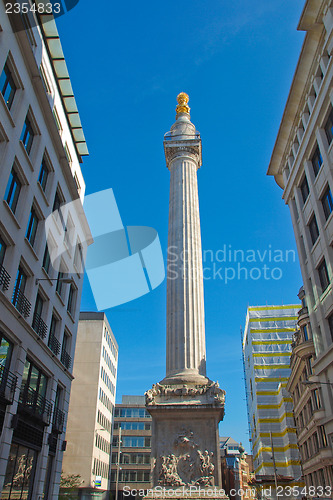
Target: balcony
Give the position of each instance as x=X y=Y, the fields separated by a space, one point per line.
x=303 y=316
x=4 y=279
x=58 y=421
x=39 y=326
x=35 y=405
x=54 y=344
x=66 y=359
x=21 y=303
x=8 y=383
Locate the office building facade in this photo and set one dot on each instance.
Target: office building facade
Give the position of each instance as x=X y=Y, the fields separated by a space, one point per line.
x=131 y=460
x=92 y=403
x=302 y=164
x=41 y=148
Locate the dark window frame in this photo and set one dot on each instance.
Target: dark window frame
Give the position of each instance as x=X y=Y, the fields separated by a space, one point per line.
x=7 y=82
x=32 y=226
x=313 y=229
x=323 y=275
x=329 y=127
x=27 y=135
x=43 y=173
x=330 y=324
x=317 y=161
x=327 y=202
x=13 y=190
x=3 y=249
x=305 y=190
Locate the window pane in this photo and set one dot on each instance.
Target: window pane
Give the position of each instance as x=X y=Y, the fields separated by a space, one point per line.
x=43 y=174
x=327 y=202
x=6 y=348
x=329 y=127
x=3 y=247
x=46 y=259
x=313 y=228
x=304 y=189
x=317 y=161
x=7 y=86
x=27 y=135
x=32 y=227
x=13 y=190
x=323 y=275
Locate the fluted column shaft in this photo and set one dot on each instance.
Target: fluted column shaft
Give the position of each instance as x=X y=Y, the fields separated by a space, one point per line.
x=186 y=352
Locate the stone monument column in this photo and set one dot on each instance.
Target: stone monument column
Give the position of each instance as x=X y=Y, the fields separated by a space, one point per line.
x=186 y=407
x=186 y=351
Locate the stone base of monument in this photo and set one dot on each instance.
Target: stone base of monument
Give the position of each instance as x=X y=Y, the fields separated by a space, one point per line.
x=185 y=440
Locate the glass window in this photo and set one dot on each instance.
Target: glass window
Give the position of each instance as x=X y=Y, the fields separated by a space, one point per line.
x=39 y=305
x=327 y=202
x=3 y=248
x=43 y=174
x=305 y=333
x=60 y=283
x=58 y=202
x=6 y=348
x=323 y=275
x=13 y=190
x=71 y=300
x=53 y=326
x=317 y=400
x=20 y=472
x=32 y=227
x=315 y=442
x=304 y=187
x=313 y=228
x=7 y=86
x=78 y=257
x=330 y=324
x=329 y=127
x=33 y=379
x=316 y=161
x=322 y=435
x=46 y=259
x=27 y=135
x=21 y=279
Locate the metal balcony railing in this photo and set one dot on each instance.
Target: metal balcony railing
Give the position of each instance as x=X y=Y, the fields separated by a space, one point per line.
x=54 y=344
x=21 y=303
x=4 y=278
x=39 y=326
x=66 y=359
x=8 y=383
x=58 y=420
x=35 y=404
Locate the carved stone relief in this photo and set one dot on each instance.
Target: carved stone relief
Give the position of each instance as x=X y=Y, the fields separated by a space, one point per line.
x=188 y=465
x=212 y=390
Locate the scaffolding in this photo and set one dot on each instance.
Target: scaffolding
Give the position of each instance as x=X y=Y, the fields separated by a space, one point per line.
x=266 y=347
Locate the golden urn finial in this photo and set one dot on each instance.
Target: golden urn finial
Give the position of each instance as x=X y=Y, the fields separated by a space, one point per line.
x=182 y=100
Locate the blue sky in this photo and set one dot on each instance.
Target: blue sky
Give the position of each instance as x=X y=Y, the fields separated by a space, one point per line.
x=127 y=62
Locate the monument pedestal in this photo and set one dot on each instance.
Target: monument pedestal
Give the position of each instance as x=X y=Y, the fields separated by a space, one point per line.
x=185 y=440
